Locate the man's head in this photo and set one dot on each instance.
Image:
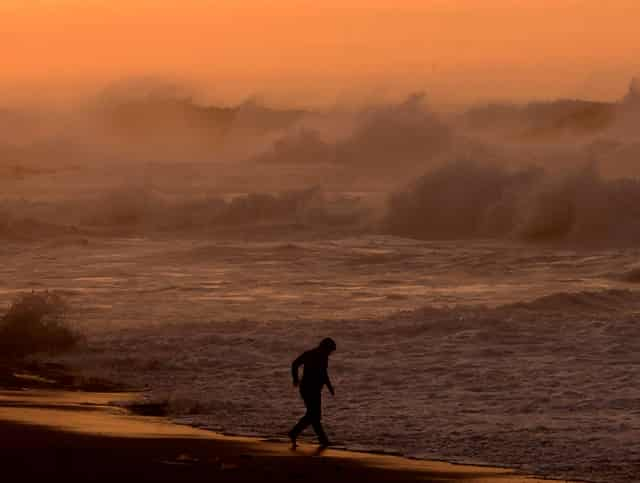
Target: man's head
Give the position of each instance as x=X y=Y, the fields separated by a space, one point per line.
x=328 y=345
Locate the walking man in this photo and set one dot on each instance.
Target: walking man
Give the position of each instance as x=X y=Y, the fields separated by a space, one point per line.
x=314 y=378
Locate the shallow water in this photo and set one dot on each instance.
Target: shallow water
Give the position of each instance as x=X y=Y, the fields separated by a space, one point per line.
x=434 y=359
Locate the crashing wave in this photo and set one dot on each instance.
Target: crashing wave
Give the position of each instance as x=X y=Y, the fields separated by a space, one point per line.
x=467 y=199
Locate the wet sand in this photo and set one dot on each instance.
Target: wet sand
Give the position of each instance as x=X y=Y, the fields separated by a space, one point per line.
x=83 y=436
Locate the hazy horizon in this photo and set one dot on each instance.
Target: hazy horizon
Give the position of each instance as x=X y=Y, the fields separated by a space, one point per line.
x=301 y=54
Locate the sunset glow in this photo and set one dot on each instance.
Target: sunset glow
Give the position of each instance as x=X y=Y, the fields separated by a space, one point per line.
x=308 y=53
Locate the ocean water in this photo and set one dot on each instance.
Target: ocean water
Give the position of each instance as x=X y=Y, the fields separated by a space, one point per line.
x=476 y=351
x=202 y=248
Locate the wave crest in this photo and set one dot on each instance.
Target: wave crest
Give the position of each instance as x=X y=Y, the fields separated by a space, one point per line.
x=467 y=199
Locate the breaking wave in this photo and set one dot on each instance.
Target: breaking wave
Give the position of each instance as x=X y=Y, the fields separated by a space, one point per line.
x=468 y=199
x=632 y=275
x=611 y=301
x=527 y=172
x=384 y=138
x=147 y=211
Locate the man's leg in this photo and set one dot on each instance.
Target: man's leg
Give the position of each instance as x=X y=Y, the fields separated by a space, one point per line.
x=314 y=414
x=304 y=422
x=299 y=428
x=322 y=436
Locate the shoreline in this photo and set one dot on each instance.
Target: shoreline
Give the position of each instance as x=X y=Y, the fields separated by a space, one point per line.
x=94 y=436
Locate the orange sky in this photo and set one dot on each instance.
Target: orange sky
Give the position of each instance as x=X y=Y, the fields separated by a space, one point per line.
x=310 y=52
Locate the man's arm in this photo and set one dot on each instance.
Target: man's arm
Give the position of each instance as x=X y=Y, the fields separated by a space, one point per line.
x=329 y=386
x=294 y=368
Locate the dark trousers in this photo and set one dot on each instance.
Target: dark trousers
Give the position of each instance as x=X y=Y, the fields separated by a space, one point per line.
x=313 y=401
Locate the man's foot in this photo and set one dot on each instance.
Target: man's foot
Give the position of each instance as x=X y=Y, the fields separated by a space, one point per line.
x=294 y=443
x=325 y=444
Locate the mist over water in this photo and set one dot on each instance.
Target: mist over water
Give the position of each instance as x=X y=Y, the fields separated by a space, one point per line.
x=144 y=157
x=483 y=261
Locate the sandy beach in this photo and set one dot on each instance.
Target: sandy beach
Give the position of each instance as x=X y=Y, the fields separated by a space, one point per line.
x=91 y=436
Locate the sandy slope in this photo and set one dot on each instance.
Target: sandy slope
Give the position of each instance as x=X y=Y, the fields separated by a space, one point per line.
x=79 y=436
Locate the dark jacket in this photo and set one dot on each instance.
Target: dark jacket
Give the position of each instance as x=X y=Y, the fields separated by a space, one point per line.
x=315 y=375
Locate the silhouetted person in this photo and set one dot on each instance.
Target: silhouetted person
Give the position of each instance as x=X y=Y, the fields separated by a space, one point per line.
x=314 y=378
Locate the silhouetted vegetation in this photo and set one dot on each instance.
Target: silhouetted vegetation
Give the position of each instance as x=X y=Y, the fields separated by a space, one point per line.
x=35 y=323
